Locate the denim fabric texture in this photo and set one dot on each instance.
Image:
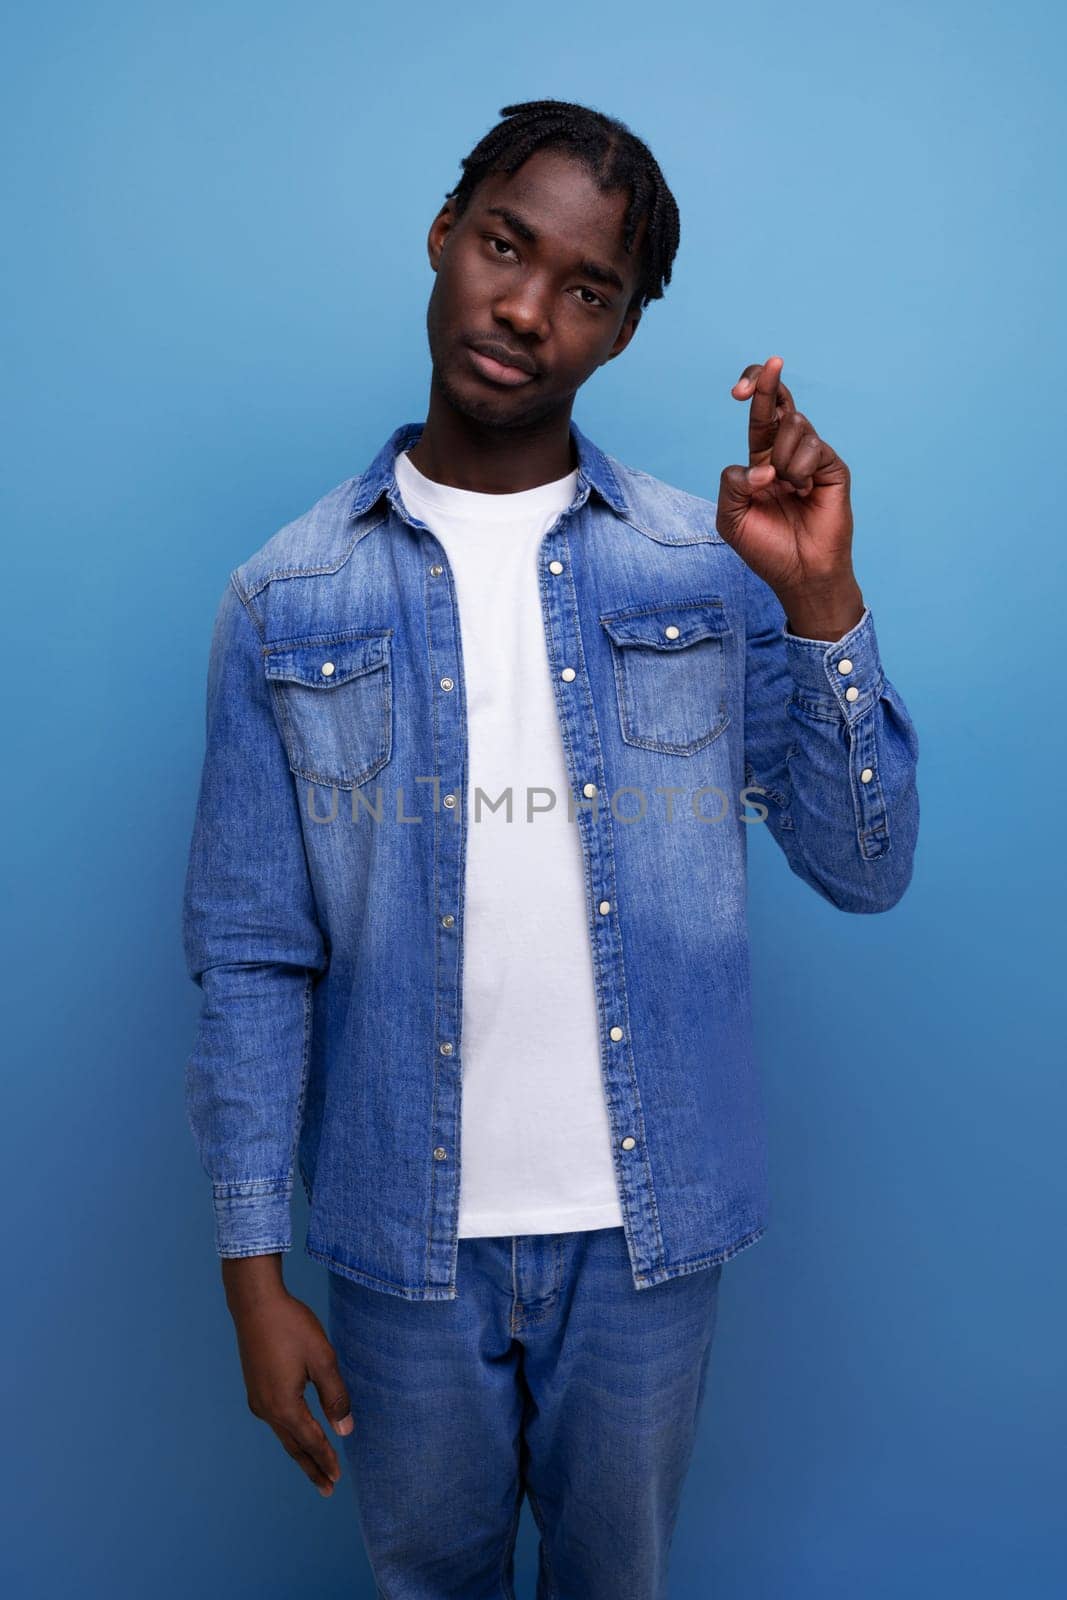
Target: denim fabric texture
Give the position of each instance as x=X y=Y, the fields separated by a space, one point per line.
x=547 y=1378
x=324 y=899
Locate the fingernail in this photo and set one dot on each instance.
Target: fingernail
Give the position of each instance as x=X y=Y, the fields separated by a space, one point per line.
x=345 y=1425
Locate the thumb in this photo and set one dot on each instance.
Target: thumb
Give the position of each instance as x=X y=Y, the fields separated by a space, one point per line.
x=332 y=1393
x=736 y=488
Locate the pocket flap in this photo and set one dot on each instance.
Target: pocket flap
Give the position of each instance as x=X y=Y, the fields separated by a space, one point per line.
x=648 y=625
x=327 y=663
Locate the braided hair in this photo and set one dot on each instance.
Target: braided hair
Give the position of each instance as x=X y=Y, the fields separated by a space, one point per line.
x=614 y=156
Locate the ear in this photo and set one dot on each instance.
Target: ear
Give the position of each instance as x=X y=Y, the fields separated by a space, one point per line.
x=440 y=228
x=625 y=334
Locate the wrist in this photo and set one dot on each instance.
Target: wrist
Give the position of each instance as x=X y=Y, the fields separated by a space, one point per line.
x=250 y=1280
x=827 y=612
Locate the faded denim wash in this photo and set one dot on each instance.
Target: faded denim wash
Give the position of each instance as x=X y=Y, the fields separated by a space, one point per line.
x=323 y=916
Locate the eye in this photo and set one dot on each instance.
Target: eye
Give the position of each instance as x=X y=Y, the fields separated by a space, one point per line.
x=495 y=239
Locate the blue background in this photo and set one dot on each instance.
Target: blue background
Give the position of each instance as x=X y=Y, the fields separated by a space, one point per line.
x=214 y=292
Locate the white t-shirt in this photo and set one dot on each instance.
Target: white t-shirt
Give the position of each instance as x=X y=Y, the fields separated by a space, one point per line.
x=535 y=1153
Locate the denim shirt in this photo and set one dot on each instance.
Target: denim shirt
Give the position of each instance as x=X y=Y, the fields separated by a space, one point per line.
x=323 y=915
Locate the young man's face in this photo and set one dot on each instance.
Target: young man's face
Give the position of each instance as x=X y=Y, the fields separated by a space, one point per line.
x=540 y=300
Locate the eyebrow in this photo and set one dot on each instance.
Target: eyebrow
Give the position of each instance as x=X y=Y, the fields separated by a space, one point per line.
x=589 y=269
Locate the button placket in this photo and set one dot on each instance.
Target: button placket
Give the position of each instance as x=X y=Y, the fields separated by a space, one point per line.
x=871 y=818
x=868 y=800
x=449 y=733
x=583 y=758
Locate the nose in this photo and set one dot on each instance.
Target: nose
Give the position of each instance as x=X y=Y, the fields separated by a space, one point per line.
x=525 y=309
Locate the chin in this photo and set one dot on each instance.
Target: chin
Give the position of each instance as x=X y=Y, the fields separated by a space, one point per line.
x=501 y=410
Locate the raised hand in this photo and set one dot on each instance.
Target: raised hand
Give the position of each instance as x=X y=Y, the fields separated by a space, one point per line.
x=788 y=513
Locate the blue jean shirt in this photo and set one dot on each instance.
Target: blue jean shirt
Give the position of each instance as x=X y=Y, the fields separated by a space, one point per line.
x=323 y=915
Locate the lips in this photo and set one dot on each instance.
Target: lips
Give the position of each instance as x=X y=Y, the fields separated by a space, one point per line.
x=499 y=364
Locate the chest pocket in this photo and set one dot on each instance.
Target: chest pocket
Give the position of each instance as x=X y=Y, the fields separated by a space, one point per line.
x=670 y=673
x=334 y=699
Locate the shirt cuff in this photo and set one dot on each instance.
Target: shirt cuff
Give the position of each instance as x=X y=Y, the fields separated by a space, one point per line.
x=849 y=668
x=252 y=1218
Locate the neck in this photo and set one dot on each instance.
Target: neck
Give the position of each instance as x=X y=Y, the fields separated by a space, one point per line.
x=459 y=451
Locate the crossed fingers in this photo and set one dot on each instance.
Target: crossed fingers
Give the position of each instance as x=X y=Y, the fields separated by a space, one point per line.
x=777 y=432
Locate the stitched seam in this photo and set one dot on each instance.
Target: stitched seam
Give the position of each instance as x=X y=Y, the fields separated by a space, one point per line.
x=249 y=1188
x=661 y=747
x=606 y=854
x=304 y=1072
x=290 y=731
x=319 y=571
x=358 y=1275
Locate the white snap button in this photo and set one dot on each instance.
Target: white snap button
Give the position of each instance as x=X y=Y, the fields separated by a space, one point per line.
x=446 y=683
x=604 y=907
x=629 y=1142
x=327 y=669
x=449 y=800
x=555 y=566
x=447 y=920
x=616 y=1032
x=672 y=632
x=567 y=674
x=446 y=1048
x=844 y=666
x=436 y=570
x=852 y=694
x=589 y=790
x=866 y=775
x=440 y=1154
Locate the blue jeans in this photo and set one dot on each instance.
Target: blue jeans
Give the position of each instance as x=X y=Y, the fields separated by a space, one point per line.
x=551 y=1376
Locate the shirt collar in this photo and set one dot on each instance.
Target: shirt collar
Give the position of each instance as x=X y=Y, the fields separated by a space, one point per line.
x=594 y=471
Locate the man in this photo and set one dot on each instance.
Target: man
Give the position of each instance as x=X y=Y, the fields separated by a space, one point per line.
x=503 y=865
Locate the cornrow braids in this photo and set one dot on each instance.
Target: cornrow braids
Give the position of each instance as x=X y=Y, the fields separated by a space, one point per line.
x=614 y=156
